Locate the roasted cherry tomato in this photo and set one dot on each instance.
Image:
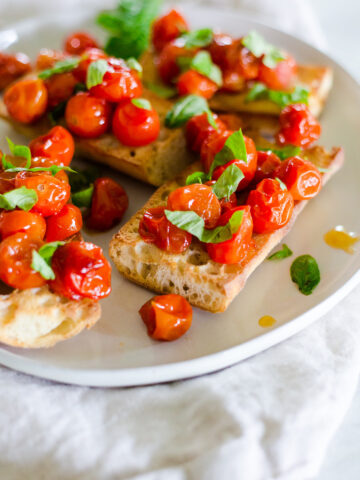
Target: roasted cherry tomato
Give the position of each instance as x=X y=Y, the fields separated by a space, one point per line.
x=219 y=49
x=233 y=81
x=12 y=66
x=135 y=126
x=302 y=178
x=271 y=206
x=192 y=82
x=19 y=221
x=211 y=145
x=198 y=129
x=267 y=162
x=225 y=204
x=248 y=168
x=60 y=87
x=198 y=198
x=57 y=145
x=119 y=83
x=167 y=60
x=16 y=259
x=167 y=317
x=108 y=205
x=233 y=250
x=155 y=228
x=89 y=56
x=239 y=59
x=26 y=100
x=52 y=193
x=298 y=126
x=7 y=181
x=64 y=224
x=281 y=77
x=47 y=58
x=167 y=28
x=87 y=116
x=76 y=43
x=81 y=271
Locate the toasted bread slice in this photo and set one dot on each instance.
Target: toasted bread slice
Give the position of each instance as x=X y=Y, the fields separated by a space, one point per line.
x=154 y=163
x=318 y=79
x=206 y=284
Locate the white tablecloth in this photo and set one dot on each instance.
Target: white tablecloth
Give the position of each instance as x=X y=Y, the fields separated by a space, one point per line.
x=270 y=417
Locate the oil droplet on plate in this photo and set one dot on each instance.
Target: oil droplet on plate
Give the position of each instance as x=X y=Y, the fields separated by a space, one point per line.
x=339 y=238
x=267 y=321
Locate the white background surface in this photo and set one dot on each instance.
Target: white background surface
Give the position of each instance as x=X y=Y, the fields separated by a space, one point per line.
x=340 y=23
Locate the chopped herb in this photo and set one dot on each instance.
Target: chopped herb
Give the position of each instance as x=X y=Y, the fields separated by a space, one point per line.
x=282 y=153
x=83 y=198
x=95 y=73
x=234 y=148
x=141 y=103
x=203 y=64
x=62 y=66
x=260 y=92
x=259 y=47
x=281 y=254
x=133 y=64
x=198 y=38
x=41 y=259
x=305 y=272
x=186 y=108
x=228 y=182
x=23 y=198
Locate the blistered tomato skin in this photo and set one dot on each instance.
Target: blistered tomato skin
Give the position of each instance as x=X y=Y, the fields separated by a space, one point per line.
x=198 y=198
x=64 y=224
x=271 y=206
x=12 y=66
x=281 y=77
x=19 y=221
x=26 y=100
x=198 y=129
x=219 y=49
x=52 y=193
x=211 y=145
x=302 y=178
x=87 y=116
x=167 y=317
x=15 y=261
x=47 y=58
x=89 y=56
x=60 y=87
x=298 y=126
x=248 y=168
x=167 y=28
x=193 y=83
x=233 y=250
x=134 y=126
x=57 y=145
x=167 y=61
x=109 y=204
x=155 y=228
x=81 y=271
x=78 y=42
x=267 y=163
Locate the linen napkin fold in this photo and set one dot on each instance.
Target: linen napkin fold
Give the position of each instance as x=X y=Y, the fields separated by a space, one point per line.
x=269 y=417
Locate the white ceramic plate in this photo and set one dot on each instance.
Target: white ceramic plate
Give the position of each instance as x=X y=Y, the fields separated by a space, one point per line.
x=117 y=351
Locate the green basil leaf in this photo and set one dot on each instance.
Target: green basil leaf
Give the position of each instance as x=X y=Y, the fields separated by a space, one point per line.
x=260 y=92
x=203 y=64
x=54 y=169
x=133 y=64
x=283 y=153
x=20 y=151
x=47 y=251
x=198 y=38
x=41 y=260
x=162 y=91
x=95 y=73
x=58 y=112
x=23 y=198
x=79 y=87
x=197 y=177
x=234 y=148
x=83 y=198
x=6 y=164
x=82 y=179
x=129 y=25
x=305 y=272
x=228 y=182
x=281 y=254
x=61 y=66
x=260 y=47
x=191 y=222
x=186 y=108
x=141 y=103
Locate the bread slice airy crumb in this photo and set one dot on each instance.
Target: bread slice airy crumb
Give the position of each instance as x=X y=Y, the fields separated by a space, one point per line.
x=203 y=282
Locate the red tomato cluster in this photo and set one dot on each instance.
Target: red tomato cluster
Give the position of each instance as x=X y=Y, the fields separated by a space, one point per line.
x=81 y=269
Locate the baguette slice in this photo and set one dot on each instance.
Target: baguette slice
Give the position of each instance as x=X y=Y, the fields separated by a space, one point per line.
x=204 y=283
x=154 y=163
x=318 y=79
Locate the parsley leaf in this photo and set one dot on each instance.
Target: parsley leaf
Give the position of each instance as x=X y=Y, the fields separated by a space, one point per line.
x=191 y=222
x=281 y=254
x=305 y=272
x=203 y=64
x=197 y=38
x=234 y=148
x=283 y=153
x=41 y=259
x=23 y=198
x=61 y=66
x=96 y=72
x=161 y=90
x=261 y=48
x=83 y=198
x=260 y=92
x=129 y=26
x=141 y=103
x=186 y=108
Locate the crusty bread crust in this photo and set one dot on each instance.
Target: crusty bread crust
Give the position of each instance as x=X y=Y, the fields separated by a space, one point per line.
x=154 y=163
x=206 y=284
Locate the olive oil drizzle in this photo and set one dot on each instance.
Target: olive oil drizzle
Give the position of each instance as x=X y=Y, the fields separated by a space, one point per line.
x=267 y=321
x=339 y=238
